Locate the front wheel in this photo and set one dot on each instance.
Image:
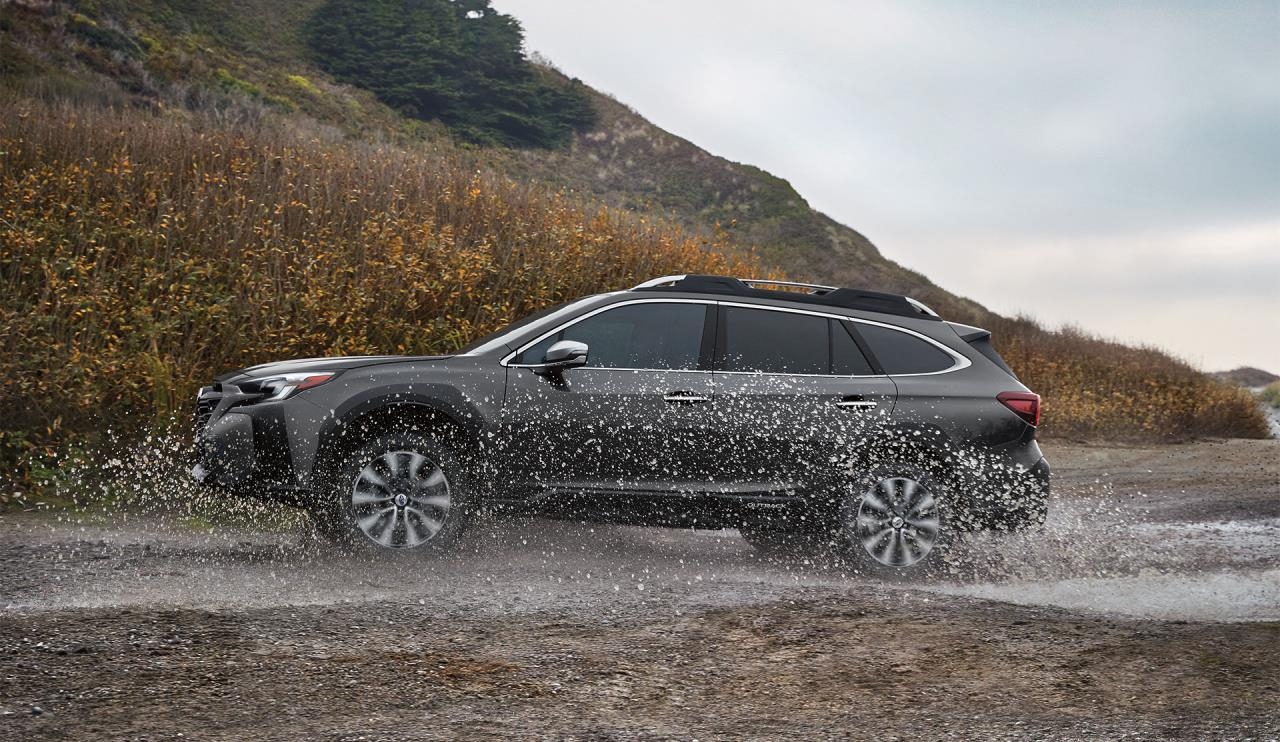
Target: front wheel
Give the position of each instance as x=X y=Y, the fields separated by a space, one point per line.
x=399 y=491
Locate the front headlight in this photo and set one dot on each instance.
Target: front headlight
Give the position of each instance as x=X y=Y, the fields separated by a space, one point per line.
x=287 y=385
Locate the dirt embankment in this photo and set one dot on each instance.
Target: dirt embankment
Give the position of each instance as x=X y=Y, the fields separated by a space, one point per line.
x=140 y=628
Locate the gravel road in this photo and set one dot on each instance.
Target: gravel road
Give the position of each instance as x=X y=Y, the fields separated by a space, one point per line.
x=1149 y=608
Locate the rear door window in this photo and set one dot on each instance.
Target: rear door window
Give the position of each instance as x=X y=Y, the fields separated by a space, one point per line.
x=901 y=353
x=764 y=341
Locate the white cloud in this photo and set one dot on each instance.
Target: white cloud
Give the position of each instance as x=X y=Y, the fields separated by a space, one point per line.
x=1130 y=148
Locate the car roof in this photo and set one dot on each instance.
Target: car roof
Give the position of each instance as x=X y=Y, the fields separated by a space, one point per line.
x=793 y=292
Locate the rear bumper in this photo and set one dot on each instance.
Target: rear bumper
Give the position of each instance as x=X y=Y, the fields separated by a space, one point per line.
x=1011 y=499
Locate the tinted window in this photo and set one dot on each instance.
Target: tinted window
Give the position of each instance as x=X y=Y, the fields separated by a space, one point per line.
x=775 y=342
x=635 y=336
x=847 y=358
x=900 y=353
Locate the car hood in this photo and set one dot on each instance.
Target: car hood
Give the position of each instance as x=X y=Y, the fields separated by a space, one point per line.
x=316 y=364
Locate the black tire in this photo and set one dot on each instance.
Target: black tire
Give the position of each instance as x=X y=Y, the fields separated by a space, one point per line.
x=893 y=521
x=399 y=491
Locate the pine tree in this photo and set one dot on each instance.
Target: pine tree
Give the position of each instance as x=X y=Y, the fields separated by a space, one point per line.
x=457 y=61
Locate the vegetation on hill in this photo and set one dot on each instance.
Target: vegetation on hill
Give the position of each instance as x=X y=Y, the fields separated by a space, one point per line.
x=457 y=61
x=219 y=54
x=1270 y=394
x=226 y=57
x=1095 y=388
x=222 y=54
x=1247 y=376
x=142 y=254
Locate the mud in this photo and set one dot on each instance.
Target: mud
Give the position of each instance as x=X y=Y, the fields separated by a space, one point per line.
x=1149 y=608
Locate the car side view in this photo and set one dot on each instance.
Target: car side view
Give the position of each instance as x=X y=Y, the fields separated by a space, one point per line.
x=806 y=416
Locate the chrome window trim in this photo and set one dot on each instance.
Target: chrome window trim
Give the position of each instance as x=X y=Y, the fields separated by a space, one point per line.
x=632 y=370
x=961 y=362
x=809 y=376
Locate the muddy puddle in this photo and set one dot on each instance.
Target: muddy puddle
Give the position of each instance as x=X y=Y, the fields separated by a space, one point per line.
x=1118 y=541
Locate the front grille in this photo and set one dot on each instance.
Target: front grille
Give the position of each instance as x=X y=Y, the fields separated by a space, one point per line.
x=206 y=403
x=204 y=411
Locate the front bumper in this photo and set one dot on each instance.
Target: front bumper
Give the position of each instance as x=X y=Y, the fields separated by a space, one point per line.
x=225 y=450
x=247 y=449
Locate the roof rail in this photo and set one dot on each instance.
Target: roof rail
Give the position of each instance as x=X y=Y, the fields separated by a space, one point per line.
x=654 y=283
x=833 y=296
x=814 y=288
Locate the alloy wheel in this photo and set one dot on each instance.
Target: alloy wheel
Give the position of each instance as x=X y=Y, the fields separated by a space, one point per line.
x=400 y=499
x=897 y=522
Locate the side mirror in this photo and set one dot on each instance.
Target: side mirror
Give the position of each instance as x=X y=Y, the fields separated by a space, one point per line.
x=564 y=355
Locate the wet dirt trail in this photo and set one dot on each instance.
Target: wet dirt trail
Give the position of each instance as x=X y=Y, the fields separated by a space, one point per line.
x=1149 y=608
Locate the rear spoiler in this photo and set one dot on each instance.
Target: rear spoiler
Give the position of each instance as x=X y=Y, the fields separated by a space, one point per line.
x=980 y=340
x=969 y=333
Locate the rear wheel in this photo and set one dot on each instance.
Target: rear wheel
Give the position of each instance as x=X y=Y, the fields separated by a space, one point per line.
x=893 y=522
x=399 y=491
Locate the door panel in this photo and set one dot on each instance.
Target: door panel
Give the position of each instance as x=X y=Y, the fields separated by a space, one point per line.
x=629 y=419
x=791 y=428
x=794 y=431
x=603 y=428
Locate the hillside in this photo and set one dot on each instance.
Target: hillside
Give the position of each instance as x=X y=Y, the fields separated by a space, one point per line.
x=184 y=190
x=627 y=161
x=140 y=254
x=207 y=54
x=1247 y=376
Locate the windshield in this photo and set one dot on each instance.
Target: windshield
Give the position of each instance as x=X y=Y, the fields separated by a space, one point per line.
x=499 y=339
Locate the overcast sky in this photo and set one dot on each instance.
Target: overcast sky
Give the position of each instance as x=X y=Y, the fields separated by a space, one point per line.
x=1110 y=165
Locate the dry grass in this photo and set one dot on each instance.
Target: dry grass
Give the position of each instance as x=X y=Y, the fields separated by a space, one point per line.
x=140 y=253
x=1094 y=388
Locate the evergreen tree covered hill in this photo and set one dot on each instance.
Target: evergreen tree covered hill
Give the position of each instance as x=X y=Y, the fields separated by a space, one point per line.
x=456 y=61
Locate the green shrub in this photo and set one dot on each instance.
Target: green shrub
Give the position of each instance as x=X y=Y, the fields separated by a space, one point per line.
x=456 y=61
x=102 y=36
x=1270 y=394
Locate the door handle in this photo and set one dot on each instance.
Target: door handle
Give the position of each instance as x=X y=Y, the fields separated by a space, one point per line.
x=856 y=401
x=685 y=398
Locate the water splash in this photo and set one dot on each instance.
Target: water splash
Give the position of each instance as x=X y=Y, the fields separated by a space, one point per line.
x=126 y=527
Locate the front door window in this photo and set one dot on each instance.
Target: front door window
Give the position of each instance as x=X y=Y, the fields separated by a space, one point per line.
x=643 y=336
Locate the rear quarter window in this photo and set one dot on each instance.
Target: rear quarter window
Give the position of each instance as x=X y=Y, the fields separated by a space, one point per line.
x=900 y=353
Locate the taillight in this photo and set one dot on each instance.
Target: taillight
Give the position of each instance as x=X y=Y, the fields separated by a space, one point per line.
x=1024 y=404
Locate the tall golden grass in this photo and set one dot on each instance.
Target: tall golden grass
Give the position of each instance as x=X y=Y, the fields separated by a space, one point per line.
x=1095 y=388
x=140 y=253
